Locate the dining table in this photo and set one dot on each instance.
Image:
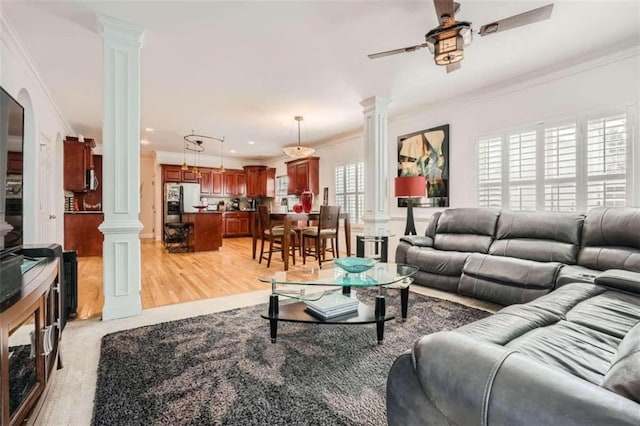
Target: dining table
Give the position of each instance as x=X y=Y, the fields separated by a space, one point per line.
x=287 y=219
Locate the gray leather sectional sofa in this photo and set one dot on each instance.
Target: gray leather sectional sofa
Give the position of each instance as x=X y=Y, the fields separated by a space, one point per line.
x=567 y=349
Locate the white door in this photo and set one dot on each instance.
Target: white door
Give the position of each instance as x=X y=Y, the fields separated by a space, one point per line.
x=46 y=216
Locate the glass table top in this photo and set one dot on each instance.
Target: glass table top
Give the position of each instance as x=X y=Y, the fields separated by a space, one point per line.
x=330 y=275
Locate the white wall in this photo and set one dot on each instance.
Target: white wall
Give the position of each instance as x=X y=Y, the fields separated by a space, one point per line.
x=606 y=82
x=43 y=121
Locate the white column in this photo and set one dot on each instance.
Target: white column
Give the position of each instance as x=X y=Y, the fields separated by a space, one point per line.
x=376 y=166
x=121 y=168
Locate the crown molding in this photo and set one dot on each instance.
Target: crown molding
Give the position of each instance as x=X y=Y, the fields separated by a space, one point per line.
x=534 y=78
x=10 y=37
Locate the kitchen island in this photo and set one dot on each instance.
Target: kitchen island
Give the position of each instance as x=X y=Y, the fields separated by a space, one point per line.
x=206 y=230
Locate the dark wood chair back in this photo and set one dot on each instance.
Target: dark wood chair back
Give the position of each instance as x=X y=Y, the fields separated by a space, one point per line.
x=264 y=215
x=329 y=217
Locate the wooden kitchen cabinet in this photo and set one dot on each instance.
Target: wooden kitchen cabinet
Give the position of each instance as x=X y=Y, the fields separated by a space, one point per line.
x=260 y=181
x=237 y=224
x=78 y=158
x=171 y=173
x=81 y=233
x=206 y=182
x=235 y=184
x=14 y=163
x=303 y=174
x=189 y=176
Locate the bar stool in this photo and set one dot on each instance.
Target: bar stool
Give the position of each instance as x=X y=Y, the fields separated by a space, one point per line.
x=176 y=237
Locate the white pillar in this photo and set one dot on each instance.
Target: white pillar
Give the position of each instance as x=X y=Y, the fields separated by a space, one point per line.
x=376 y=166
x=121 y=168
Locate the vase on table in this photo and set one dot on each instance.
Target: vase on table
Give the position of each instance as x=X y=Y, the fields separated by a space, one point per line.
x=306 y=198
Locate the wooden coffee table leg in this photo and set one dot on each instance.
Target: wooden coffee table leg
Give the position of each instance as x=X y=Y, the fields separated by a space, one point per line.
x=380 y=313
x=273 y=316
x=404 y=302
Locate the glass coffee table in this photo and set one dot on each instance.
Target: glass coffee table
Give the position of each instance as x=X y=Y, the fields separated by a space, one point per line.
x=312 y=284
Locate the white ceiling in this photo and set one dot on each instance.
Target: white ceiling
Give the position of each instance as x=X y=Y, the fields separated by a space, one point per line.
x=243 y=69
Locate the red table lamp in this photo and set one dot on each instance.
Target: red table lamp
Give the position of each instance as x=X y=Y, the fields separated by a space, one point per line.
x=410 y=187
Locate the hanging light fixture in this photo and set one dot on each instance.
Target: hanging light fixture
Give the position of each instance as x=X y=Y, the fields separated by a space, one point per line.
x=194 y=143
x=222 y=155
x=184 y=157
x=298 y=151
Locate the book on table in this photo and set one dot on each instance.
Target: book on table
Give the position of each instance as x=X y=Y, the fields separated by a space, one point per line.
x=332 y=305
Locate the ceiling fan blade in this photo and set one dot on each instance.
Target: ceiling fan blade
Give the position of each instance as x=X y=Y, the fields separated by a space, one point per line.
x=396 y=51
x=534 y=15
x=453 y=67
x=445 y=7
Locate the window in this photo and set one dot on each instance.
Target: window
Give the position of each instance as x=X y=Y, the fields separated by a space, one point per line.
x=490 y=170
x=349 y=180
x=560 y=158
x=522 y=171
x=607 y=161
x=566 y=166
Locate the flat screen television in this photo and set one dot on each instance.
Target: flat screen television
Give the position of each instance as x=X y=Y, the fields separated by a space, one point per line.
x=11 y=178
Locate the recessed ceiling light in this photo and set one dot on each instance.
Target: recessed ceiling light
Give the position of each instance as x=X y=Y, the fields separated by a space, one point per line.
x=233 y=151
x=144 y=142
x=251 y=142
x=149 y=129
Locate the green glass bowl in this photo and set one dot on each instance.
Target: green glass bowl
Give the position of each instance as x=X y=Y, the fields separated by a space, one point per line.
x=355 y=264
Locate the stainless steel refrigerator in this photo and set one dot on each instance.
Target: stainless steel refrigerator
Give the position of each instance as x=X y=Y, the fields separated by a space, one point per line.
x=189 y=197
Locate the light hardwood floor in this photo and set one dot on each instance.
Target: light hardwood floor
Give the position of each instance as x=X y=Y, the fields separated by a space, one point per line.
x=170 y=278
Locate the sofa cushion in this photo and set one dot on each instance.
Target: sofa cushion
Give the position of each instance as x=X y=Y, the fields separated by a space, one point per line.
x=427 y=259
x=545 y=237
x=417 y=240
x=623 y=376
x=441 y=282
x=611 y=239
x=506 y=280
x=469 y=229
x=603 y=258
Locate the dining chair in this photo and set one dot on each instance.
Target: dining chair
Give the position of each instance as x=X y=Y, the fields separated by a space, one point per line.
x=327 y=229
x=273 y=233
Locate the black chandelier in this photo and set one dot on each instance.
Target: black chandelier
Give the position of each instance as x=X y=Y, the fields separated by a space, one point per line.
x=194 y=143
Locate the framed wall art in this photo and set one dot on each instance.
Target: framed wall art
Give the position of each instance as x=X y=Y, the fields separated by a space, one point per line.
x=426 y=153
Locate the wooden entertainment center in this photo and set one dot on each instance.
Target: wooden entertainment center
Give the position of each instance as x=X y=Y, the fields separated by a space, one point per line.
x=29 y=337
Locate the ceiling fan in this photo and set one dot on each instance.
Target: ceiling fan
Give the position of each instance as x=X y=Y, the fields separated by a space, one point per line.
x=448 y=40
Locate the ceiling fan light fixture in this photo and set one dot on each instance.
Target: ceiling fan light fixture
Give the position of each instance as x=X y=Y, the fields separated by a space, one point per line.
x=449 y=50
x=298 y=151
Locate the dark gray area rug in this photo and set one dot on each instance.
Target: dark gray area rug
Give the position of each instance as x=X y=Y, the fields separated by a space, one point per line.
x=222 y=369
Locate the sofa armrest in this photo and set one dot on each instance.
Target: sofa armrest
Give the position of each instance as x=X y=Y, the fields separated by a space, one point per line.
x=418 y=240
x=470 y=382
x=620 y=279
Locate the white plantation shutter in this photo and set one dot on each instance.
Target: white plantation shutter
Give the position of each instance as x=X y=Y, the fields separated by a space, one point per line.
x=522 y=156
x=522 y=171
x=339 y=181
x=574 y=165
x=607 y=161
x=560 y=167
x=490 y=172
x=349 y=180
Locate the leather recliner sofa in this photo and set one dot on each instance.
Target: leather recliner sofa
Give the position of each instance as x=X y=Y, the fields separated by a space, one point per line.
x=570 y=356
x=508 y=257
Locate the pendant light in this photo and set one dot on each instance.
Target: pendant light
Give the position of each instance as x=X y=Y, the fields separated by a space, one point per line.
x=222 y=155
x=298 y=151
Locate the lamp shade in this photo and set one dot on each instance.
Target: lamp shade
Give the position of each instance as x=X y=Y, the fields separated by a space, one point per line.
x=410 y=186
